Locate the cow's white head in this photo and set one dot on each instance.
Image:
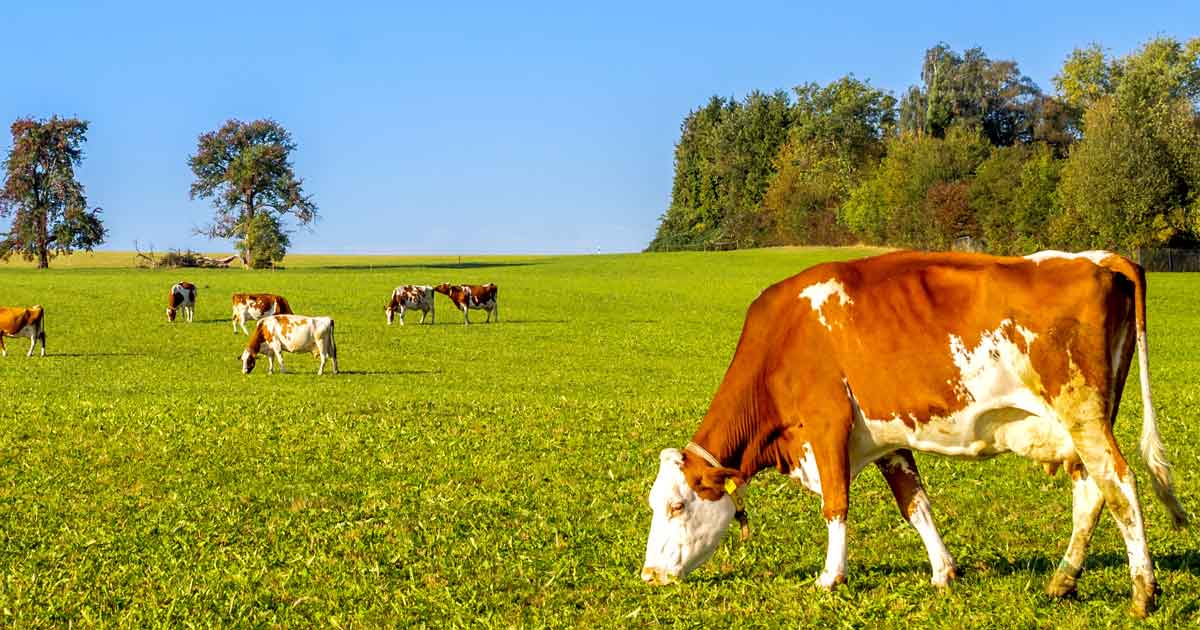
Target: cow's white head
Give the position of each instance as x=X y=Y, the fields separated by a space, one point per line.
x=686 y=527
x=170 y=313
x=248 y=359
x=391 y=313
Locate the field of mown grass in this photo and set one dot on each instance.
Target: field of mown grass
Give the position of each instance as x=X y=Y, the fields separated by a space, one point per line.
x=491 y=475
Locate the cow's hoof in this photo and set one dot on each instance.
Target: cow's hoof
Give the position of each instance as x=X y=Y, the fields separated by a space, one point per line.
x=828 y=582
x=1061 y=585
x=945 y=578
x=1145 y=597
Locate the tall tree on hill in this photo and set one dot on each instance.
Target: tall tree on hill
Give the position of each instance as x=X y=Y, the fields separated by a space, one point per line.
x=40 y=192
x=975 y=91
x=244 y=167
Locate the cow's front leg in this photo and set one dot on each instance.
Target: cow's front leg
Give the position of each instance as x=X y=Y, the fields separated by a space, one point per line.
x=3 y=350
x=279 y=359
x=833 y=468
x=401 y=314
x=466 y=318
x=900 y=471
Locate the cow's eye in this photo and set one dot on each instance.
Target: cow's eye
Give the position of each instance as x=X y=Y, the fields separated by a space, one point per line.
x=675 y=508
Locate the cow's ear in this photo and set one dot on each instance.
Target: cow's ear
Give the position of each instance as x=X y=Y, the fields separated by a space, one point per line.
x=717 y=482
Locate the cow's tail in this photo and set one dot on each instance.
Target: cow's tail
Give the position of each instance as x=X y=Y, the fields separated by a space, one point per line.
x=1153 y=452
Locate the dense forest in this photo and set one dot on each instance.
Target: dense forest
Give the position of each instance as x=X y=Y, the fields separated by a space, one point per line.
x=975 y=156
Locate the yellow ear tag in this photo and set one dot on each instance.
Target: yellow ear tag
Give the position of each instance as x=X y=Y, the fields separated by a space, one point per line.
x=731 y=489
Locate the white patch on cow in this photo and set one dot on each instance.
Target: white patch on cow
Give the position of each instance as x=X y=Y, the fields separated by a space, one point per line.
x=806 y=471
x=819 y=292
x=685 y=528
x=1096 y=256
x=1004 y=411
x=835 y=555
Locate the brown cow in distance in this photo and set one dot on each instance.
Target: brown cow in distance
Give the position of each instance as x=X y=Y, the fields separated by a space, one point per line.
x=23 y=322
x=856 y=363
x=250 y=306
x=471 y=296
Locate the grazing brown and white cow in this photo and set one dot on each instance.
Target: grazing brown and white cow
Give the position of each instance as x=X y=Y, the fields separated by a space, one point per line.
x=853 y=363
x=22 y=322
x=182 y=297
x=471 y=296
x=292 y=333
x=414 y=296
x=250 y=306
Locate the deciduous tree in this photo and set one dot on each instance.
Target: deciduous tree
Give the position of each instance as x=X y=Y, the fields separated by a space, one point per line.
x=246 y=169
x=41 y=194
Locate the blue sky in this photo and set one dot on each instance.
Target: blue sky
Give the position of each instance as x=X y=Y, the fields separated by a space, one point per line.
x=473 y=127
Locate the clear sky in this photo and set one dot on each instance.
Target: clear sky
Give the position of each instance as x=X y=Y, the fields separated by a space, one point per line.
x=490 y=127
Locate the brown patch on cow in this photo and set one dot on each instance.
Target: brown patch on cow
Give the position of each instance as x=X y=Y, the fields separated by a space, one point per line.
x=285 y=327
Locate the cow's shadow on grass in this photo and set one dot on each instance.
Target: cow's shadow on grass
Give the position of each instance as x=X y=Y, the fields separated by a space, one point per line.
x=386 y=372
x=75 y=355
x=1041 y=565
x=451 y=266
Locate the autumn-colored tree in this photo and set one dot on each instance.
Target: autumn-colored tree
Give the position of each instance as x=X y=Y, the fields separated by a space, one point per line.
x=245 y=168
x=41 y=194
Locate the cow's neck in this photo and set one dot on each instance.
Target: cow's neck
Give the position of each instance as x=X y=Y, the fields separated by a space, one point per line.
x=740 y=432
x=256 y=340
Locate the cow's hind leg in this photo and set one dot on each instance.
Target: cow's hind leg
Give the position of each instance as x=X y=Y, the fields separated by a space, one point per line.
x=1109 y=470
x=33 y=339
x=3 y=350
x=1087 y=503
x=900 y=471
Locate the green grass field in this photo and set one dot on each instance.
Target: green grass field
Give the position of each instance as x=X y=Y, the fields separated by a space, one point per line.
x=491 y=475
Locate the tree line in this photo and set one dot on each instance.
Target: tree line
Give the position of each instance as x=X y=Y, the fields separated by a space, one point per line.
x=244 y=168
x=975 y=155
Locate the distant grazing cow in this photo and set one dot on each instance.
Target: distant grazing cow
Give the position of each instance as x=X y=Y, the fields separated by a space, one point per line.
x=418 y=297
x=22 y=322
x=860 y=362
x=182 y=297
x=293 y=333
x=250 y=306
x=471 y=296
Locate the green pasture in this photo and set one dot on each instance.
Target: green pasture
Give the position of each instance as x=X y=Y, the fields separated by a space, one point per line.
x=491 y=475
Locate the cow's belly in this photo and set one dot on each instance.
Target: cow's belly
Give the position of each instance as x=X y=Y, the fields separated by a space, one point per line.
x=26 y=331
x=1019 y=422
